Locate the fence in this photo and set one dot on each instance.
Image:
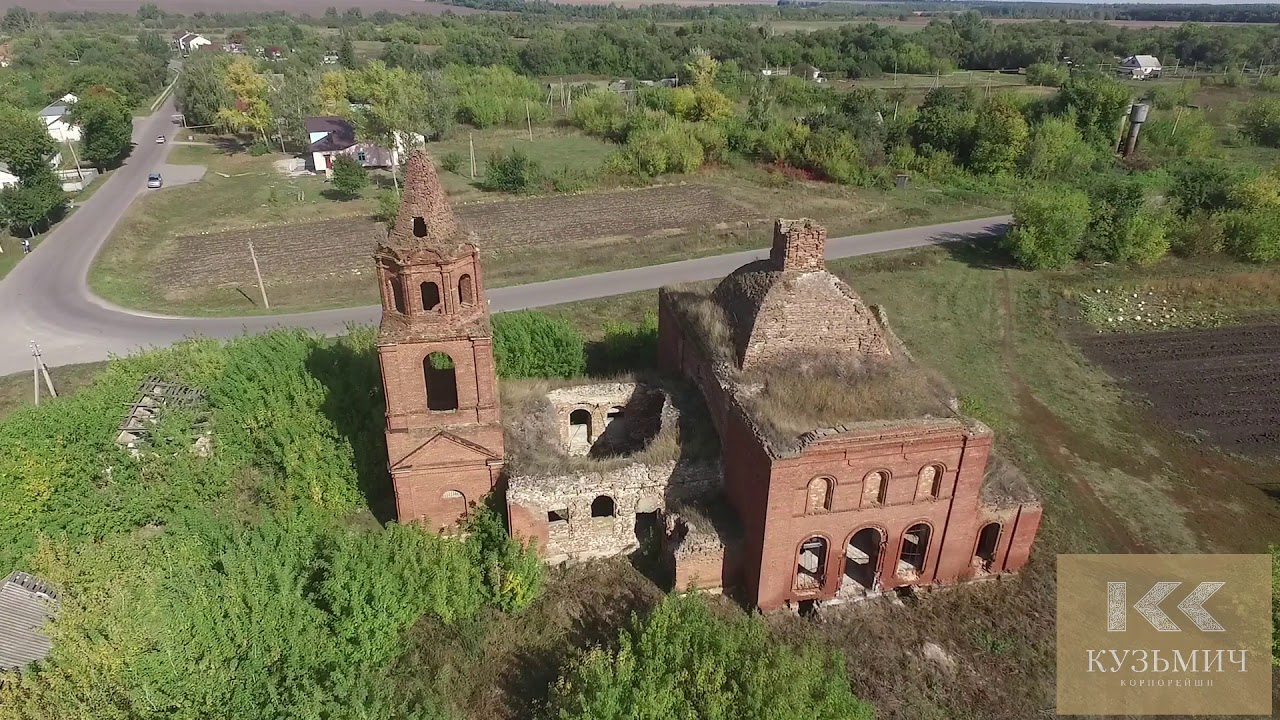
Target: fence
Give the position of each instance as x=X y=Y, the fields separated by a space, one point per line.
x=77 y=180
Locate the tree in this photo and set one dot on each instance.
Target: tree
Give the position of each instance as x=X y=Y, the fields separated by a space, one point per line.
x=944 y=121
x=999 y=137
x=150 y=43
x=347 y=53
x=349 y=176
x=1098 y=102
x=1202 y=186
x=1253 y=235
x=1260 y=121
x=17 y=19
x=293 y=99
x=251 y=110
x=34 y=202
x=106 y=126
x=531 y=344
x=1047 y=74
x=685 y=661
x=149 y=11
x=25 y=145
x=202 y=89
x=332 y=93
x=1056 y=150
x=1048 y=227
x=395 y=102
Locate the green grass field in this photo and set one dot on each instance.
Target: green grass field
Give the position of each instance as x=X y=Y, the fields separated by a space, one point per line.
x=553 y=148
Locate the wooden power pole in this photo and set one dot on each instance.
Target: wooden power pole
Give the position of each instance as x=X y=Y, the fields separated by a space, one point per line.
x=38 y=368
x=261 y=287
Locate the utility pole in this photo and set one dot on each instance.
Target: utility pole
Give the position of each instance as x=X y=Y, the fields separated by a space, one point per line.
x=38 y=368
x=528 y=119
x=261 y=287
x=79 y=172
x=471 y=143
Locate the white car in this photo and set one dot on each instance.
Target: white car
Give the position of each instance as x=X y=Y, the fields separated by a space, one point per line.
x=159 y=139
x=155 y=181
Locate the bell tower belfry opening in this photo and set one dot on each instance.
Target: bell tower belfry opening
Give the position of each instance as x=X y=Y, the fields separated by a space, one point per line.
x=435 y=348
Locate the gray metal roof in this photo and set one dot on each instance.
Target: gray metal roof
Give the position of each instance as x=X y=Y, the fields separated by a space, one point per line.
x=54 y=110
x=26 y=604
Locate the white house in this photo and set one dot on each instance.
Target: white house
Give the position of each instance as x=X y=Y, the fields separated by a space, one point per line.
x=1140 y=67
x=188 y=42
x=57 y=120
x=7 y=177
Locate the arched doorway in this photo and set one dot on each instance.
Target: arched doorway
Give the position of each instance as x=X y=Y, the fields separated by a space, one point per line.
x=811 y=565
x=915 y=552
x=984 y=557
x=579 y=431
x=862 y=560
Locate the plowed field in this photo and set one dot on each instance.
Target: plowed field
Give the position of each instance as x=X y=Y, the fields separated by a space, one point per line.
x=306 y=252
x=1222 y=383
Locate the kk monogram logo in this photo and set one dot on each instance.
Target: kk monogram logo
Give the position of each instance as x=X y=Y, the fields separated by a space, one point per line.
x=1149 y=606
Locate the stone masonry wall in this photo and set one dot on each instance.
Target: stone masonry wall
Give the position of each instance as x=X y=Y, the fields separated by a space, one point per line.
x=633 y=489
x=799 y=245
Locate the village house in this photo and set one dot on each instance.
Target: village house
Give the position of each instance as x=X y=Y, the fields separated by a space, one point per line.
x=56 y=117
x=1140 y=67
x=792 y=450
x=188 y=42
x=331 y=136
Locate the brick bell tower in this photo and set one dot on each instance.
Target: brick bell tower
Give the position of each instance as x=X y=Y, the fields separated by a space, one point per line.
x=435 y=347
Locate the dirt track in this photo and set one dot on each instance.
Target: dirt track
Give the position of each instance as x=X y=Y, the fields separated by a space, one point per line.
x=1222 y=383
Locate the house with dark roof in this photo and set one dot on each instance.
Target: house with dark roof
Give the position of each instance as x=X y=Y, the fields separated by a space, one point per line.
x=27 y=603
x=331 y=136
x=56 y=117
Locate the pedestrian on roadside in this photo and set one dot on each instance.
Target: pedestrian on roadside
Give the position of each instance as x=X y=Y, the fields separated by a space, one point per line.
x=26 y=246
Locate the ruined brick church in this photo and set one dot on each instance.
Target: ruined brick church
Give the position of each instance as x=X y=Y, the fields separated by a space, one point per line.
x=791 y=449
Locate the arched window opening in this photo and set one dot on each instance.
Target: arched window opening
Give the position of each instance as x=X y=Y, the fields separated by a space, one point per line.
x=397 y=293
x=579 y=431
x=419 y=227
x=442 y=383
x=988 y=542
x=875 y=489
x=930 y=484
x=862 y=560
x=811 y=565
x=820 y=490
x=466 y=294
x=602 y=506
x=430 y=296
x=915 y=550
x=455 y=506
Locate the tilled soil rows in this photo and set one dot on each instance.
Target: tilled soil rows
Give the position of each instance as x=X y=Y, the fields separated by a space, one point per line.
x=306 y=252
x=1223 y=383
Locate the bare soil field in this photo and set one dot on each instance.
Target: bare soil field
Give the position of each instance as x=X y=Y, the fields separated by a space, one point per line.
x=337 y=248
x=297 y=7
x=1222 y=384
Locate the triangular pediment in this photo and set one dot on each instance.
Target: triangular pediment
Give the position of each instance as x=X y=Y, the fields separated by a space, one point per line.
x=445 y=448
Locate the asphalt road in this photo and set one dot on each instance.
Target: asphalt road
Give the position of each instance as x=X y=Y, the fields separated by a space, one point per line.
x=46 y=299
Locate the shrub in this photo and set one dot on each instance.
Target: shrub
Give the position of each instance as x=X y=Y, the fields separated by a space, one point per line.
x=999 y=137
x=714 y=142
x=1253 y=235
x=1260 y=121
x=627 y=346
x=1260 y=192
x=1056 y=150
x=684 y=661
x=388 y=207
x=1269 y=83
x=349 y=176
x=1185 y=134
x=1047 y=74
x=259 y=148
x=670 y=149
x=496 y=95
x=1048 y=227
x=451 y=162
x=515 y=172
x=530 y=344
x=600 y=112
x=1202 y=186
x=511 y=571
x=1198 y=236
x=834 y=155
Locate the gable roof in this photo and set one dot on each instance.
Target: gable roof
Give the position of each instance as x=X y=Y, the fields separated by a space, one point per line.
x=443 y=449
x=340 y=134
x=26 y=604
x=1143 y=61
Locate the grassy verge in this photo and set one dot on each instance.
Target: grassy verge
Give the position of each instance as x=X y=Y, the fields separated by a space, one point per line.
x=16 y=390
